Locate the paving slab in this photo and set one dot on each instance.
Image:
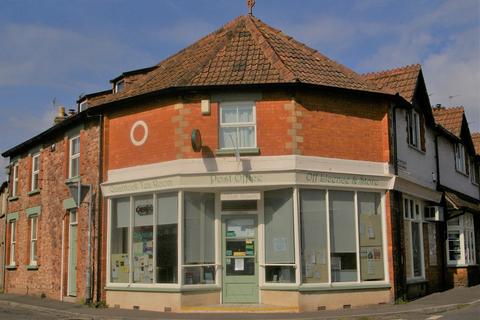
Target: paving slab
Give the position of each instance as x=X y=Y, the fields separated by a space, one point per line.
x=434 y=303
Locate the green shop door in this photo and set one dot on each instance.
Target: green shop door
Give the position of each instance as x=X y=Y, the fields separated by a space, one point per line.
x=240 y=272
x=72 y=255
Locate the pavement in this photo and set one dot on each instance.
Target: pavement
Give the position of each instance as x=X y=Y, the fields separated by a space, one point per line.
x=442 y=302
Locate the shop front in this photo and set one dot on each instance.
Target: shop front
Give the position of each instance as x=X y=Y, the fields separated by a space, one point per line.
x=295 y=238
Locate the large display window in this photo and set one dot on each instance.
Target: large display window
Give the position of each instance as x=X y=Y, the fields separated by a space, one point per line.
x=345 y=245
x=143 y=239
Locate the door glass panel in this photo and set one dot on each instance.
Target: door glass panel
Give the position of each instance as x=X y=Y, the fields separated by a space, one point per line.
x=240 y=266
x=240 y=247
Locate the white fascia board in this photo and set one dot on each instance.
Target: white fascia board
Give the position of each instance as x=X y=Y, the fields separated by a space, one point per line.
x=247 y=165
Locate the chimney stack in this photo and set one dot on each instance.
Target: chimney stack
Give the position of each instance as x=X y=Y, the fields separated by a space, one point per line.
x=60 y=115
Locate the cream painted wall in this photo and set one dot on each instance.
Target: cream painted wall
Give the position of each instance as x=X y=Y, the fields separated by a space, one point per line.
x=449 y=176
x=415 y=165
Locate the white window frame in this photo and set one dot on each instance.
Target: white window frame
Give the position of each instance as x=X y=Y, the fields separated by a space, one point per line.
x=72 y=156
x=33 y=240
x=474 y=174
x=359 y=281
x=253 y=123
x=466 y=231
x=83 y=105
x=413 y=124
x=13 y=242
x=119 y=85
x=411 y=215
x=460 y=159
x=35 y=173
x=15 y=180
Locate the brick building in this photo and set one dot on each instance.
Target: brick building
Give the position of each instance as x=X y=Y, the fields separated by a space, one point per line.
x=46 y=233
x=459 y=179
x=3 y=214
x=247 y=168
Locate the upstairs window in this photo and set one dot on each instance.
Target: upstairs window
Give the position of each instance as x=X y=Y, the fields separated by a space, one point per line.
x=414 y=130
x=461 y=164
x=474 y=173
x=74 y=157
x=119 y=86
x=83 y=105
x=238 y=128
x=15 y=180
x=35 y=171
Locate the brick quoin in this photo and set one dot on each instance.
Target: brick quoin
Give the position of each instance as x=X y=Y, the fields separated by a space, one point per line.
x=53 y=174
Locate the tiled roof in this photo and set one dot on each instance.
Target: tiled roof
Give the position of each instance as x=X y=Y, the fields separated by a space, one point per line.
x=476 y=142
x=245 y=51
x=449 y=118
x=401 y=80
x=456 y=202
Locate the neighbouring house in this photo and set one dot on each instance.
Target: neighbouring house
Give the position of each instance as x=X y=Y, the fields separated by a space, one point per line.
x=458 y=167
x=418 y=260
x=47 y=231
x=3 y=210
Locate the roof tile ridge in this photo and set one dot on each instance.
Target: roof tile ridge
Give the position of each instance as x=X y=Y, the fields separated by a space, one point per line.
x=396 y=70
x=322 y=57
x=269 y=50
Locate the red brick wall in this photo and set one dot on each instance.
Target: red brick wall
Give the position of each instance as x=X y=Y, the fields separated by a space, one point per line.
x=345 y=127
x=327 y=125
x=53 y=173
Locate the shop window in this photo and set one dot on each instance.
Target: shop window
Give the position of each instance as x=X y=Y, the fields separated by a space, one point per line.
x=120 y=223
x=314 y=236
x=167 y=238
x=461 y=240
x=15 y=180
x=413 y=237
x=35 y=172
x=33 y=241
x=151 y=222
x=370 y=235
x=461 y=164
x=199 y=238
x=142 y=239
x=237 y=125
x=279 y=240
x=74 y=158
x=343 y=244
x=13 y=242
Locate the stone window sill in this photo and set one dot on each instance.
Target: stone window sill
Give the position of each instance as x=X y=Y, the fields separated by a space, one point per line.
x=243 y=152
x=33 y=192
x=11 y=267
x=73 y=179
x=13 y=198
x=32 y=267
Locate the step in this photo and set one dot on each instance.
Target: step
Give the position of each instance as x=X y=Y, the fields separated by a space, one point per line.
x=235 y=308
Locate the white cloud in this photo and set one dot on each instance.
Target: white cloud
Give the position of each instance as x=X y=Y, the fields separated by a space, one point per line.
x=453 y=75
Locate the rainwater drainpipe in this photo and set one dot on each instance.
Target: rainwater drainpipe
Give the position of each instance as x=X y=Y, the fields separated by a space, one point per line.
x=98 y=211
x=88 y=282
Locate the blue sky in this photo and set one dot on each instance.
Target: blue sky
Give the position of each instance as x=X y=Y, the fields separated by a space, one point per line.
x=61 y=49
